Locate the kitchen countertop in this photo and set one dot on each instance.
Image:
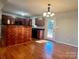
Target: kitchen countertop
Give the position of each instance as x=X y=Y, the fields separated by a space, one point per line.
x=38 y=27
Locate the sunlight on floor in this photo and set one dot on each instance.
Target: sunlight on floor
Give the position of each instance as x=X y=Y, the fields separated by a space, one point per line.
x=41 y=41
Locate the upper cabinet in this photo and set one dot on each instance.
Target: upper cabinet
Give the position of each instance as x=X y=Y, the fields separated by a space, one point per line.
x=9 y=20
x=23 y=21
x=39 y=22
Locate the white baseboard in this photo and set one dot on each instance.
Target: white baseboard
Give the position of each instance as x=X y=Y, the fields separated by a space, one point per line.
x=65 y=43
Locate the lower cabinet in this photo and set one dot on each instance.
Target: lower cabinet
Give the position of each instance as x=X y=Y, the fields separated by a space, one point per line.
x=15 y=34
x=37 y=33
x=40 y=34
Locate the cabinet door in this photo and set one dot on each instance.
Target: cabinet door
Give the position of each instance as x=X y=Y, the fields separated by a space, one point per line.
x=16 y=34
x=30 y=34
x=27 y=34
x=19 y=40
x=30 y=22
x=4 y=19
x=10 y=36
x=40 y=34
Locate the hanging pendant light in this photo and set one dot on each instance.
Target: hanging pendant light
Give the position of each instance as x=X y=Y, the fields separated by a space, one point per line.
x=48 y=13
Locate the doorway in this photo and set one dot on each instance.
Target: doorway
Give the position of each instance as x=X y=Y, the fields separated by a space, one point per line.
x=50 y=29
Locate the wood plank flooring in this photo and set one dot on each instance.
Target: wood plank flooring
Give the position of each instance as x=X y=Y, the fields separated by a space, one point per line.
x=33 y=50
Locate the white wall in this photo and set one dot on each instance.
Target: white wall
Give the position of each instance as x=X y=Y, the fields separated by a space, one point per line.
x=0 y=22
x=2 y=3
x=67 y=31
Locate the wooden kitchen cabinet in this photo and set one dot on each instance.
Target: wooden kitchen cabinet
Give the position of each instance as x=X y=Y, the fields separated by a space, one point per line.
x=16 y=30
x=40 y=34
x=13 y=34
x=37 y=33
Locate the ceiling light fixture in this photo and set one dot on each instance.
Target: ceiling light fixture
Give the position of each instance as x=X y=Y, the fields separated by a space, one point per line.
x=48 y=13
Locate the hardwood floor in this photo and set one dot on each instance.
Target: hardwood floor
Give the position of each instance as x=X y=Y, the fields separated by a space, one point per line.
x=34 y=50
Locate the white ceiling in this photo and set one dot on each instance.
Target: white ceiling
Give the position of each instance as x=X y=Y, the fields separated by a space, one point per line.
x=37 y=7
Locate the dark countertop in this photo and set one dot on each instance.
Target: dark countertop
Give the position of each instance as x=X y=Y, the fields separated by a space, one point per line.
x=38 y=28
